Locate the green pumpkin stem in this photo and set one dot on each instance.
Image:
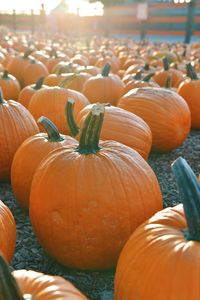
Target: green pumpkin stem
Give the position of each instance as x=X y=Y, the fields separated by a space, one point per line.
x=5 y=74
x=166 y=64
x=2 y=101
x=39 y=83
x=65 y=83
x=189 y=188
x=90 y=133
x=138 y=75
x=27 y=53
x=148 y=77
x=8 y=286
x=69 y=108
x=106 y=70
x=51 y=129
x=191 y=72
x=146 y=67
x=168 y=82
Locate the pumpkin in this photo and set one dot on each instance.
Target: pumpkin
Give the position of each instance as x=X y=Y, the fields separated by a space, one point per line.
x=90 y=196
x=189 y=90
x=34 y=71
x=28 y=91
x=36 y=147
x=124 y=127
x=16 y=125
x=145 y=81
x=50 y=102
x=104 y=87
x=7 y=232
x=166 y=113
x=161 y=258
x=30 y=285
x=10 y=86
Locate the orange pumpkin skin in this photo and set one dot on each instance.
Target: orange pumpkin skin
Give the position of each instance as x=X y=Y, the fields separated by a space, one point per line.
x=124 y=127
x=26 y=93
x=189 y=90
x=157 y=255
x=107 y=189
x=34 y=71
x=138 y=84
x=166 y=113
x=50 y=102
x=176 y=77
x=7 y=232
x=10 y=86
x=42 y=286
x=16 y=125
x=23 y=168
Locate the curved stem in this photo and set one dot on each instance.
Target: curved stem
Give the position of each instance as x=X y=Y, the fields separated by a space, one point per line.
x=148 y=77
x=39 y=83
x=5 y=74
x=191 y=72
x=166 y=64
x=90 y=133
x=51 y=129
x=8 y=285
x=69 y=108
x=2 y=101
x=106 y=70
x=65 y=83
x=189 y=189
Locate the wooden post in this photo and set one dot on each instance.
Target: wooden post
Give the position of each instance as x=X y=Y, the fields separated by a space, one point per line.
x=190 y=21
x=14 y=20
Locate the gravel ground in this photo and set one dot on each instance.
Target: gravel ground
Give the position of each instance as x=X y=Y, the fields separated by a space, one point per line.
x=96 y=285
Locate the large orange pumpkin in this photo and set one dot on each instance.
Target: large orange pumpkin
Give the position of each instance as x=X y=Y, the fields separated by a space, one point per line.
x=36 y=147
x=30 y=285
x=166 y=113
x=161 y=258
x=7 y=232
x=89 y=197
x=16 y=125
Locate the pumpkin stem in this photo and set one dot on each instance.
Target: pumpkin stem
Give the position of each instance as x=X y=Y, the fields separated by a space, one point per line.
x=138 y=75
x=51 y=129
x=2 y=101
x=39 y=83
x=69 y=108
x=27 y=53
x=65 y=83
x=146 y=67
x=189 y=189
x=5 y=74
x=148 y=77
x=166 y=64
x=8 y=285
x=90 y=133
x=168 y=82
x=191 y=72
x=106 y=70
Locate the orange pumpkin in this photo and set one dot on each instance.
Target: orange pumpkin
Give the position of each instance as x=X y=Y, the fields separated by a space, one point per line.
x=166 y=113
x=34 y=71
x=51 y=101
x=100 y=183
x=36 y=147
x=103 y=88
x=28 y=284
x=7 y=232
x=161 y=258
x=16 y=125
x=10 y=86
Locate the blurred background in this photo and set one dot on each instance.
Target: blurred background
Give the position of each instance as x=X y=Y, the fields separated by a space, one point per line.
x=177 y=20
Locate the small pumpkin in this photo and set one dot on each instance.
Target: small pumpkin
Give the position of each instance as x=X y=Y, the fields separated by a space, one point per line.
x=34 y=71
x=166 y=113
x=161 y=258
x=100 y=183
x=16 y=125
x=7 y=232
x=36 y=147
x=9 y=85
x=30 y=285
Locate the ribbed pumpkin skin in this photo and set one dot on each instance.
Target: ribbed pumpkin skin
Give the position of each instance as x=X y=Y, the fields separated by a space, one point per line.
x=158 y=263
x=46 y=287
x=10 y=87
x=7 y=232
x=16 y=125
x=167 y=115
x=36 y=147
x=26 y=93
x=50 y=102
x=124 y=127
x=91 y=208
x=189 y=90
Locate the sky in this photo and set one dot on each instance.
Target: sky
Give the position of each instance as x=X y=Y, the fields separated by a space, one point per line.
x=26 y=5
